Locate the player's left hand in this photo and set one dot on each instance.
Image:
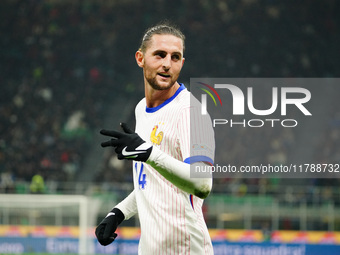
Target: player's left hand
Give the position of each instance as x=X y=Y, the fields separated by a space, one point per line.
x=105 y=231
x=128 y=145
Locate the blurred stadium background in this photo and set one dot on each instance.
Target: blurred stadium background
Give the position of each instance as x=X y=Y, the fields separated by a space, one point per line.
x=68 y=70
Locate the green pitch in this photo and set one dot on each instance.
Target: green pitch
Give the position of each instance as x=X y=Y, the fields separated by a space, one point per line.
x=28 y=253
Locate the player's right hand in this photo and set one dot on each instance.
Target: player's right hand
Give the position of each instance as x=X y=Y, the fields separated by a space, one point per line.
x=105 y=231
x=128 y=144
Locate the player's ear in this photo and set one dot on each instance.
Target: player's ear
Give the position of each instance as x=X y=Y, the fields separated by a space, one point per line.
x=183 y=59
x=139 y=58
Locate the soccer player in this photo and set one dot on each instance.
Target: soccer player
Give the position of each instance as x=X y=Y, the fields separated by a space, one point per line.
x=170 y=136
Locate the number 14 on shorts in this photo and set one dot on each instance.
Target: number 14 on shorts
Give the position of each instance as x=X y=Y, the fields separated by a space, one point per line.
x=141 y=175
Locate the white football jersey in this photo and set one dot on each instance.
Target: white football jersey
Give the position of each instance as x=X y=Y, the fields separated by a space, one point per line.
x=171 y=219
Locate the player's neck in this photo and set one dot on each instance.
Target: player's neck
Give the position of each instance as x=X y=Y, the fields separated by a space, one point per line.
x=155 y=98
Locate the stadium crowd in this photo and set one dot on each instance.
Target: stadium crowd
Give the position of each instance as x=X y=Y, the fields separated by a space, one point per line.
x=64 y=63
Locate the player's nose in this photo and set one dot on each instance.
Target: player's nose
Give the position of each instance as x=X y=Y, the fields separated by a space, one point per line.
x=167 y=62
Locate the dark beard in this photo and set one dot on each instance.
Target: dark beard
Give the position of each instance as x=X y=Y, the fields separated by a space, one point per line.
x=153 y=83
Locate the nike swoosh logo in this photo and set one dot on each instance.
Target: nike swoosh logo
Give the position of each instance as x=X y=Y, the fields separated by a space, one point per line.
x=110 y=214
x=131 y=153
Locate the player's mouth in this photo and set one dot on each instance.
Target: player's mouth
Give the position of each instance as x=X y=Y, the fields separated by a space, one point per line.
x=164 y=75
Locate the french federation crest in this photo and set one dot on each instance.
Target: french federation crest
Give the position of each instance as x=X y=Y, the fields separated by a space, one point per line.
x=156 y=138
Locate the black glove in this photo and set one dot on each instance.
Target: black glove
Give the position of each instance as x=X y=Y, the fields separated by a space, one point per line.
x=105 y=231
x=128 y=145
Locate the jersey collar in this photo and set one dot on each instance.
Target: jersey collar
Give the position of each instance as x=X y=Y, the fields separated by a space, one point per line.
x=154 y=109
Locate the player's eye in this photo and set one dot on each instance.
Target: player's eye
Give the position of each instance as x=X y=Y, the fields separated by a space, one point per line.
x=160 y=54
x=176 y=57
